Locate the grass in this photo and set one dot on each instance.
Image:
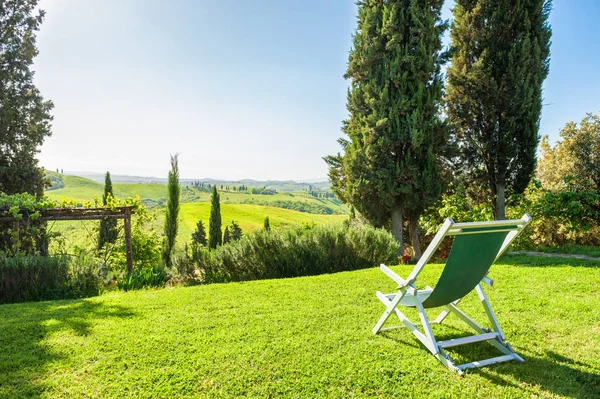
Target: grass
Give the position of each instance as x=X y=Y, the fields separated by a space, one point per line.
x=303 y=337
x=249 y=217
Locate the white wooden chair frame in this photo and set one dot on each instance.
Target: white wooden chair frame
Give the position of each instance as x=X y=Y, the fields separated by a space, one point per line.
x=408 y=295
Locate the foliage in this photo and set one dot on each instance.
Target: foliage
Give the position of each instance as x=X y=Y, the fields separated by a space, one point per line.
x=555 y=168
x=308 y=207
x=215 y=237
x=108 y=227
x=143 y=278
x=559 y=218
x=226 y=236
x=500 y=59
x=34 y=278
x=199 y=236
x=25 y=116
x=573 y=163
x=235 y=231
x=584 y=143
x=267 y=224
x=145 y=246
x=302 y=251
x=171 y=212
x=390 y=162
x=56 y=180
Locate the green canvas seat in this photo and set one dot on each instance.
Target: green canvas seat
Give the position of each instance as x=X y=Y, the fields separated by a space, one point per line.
x=475 y=247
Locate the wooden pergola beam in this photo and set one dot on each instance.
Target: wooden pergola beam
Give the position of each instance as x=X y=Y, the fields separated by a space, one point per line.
x=123 y=212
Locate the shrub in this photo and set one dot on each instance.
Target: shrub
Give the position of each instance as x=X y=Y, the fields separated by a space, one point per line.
x=143 y=278
x=297 y=252
x=34 y=278
x=146 y=248
x=559 y=218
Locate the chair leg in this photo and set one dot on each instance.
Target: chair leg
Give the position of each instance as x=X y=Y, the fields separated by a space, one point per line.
x=390 y=307
x=444 y=313
x=488 y=310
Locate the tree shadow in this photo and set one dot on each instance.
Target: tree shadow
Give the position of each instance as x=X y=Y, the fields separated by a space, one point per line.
x=24 y=327
x=552 y=372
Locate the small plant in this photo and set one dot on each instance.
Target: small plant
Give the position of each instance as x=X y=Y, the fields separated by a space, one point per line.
x=143 y=278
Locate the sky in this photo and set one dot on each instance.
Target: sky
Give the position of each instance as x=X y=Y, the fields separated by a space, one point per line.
x=238 y=88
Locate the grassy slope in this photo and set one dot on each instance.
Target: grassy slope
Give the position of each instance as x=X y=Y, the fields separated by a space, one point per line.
x=305 y=337
x=249 y=217
x=82 y=189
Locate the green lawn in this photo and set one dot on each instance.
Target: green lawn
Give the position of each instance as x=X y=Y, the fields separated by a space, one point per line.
x=303 y=337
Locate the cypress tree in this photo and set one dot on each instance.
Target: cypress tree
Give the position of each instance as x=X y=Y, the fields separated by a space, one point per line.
x=501 y=58
x=226 y=236
x=108 y=227
x=389 y=167
x=172 y=211
x=214 y=226
x=267 y=225
x=199 y=236
x=235 y=231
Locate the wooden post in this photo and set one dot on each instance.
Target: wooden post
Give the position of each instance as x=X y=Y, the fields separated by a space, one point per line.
x=128 y=247
x=16 y=238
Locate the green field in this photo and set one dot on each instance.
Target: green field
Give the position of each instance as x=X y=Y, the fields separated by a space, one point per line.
x=82 y=190
x=246 y=209
x=302 y=337
x=250 y=217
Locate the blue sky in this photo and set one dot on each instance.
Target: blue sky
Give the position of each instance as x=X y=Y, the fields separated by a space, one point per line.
x=240 y=88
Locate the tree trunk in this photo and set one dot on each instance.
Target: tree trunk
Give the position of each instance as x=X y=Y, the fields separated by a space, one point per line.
x=397 y=222
x=500 y=212
x=415 y=240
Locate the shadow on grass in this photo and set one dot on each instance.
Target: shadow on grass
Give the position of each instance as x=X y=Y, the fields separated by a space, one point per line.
x=24 y=327
x=550 y=371
x=544 y=261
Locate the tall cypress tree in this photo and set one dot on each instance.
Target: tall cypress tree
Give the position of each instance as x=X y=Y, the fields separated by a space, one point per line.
x=389 y=167
x=215 y=237
x=172 y=211
x=501 y=58
x=108 y=227
x=267 y=224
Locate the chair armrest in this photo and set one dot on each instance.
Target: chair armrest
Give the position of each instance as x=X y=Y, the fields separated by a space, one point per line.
x=390 y=273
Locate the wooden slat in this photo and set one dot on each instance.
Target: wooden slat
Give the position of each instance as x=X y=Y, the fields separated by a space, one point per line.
x=487 y=362
x=467 y=340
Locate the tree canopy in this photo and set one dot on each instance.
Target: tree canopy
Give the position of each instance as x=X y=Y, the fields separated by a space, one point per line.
x=25 y=118
x=389 y=166
x=500 y=59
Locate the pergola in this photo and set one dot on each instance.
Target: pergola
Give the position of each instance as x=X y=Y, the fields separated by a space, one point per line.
x=122 y=212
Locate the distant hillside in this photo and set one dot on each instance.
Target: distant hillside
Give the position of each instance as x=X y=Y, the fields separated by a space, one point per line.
x=279 y=185
x=154 y=194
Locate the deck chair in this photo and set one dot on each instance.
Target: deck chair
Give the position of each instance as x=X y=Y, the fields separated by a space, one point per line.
x=475 y=248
